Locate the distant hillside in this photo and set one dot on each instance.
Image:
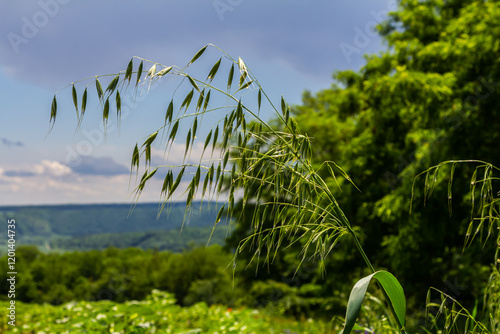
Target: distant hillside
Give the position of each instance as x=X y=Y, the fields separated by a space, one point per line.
x=97 y=226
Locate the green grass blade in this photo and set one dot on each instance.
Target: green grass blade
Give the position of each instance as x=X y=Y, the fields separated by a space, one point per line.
x=198 y=55
x=84 y=101
x=193 y=83
x=53 y=110
x=391 y=287
x=163 y=72
x=214 y=70
x=139 y=72
x=128 y=72
x=98 y=87
x=118 y=103
x=112 y=85
x=230 y=78
x=75 y=99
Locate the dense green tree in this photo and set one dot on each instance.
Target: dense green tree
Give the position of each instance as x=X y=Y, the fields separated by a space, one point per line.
x=67 y=227
x=432 y=96
x=198 y=274
x=206 y=268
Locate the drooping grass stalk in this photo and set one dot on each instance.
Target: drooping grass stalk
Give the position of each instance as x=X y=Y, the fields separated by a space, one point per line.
x=485 y=206
x=484 y=218
x=269 y=166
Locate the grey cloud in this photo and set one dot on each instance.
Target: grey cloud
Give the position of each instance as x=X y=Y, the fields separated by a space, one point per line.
x=83 y=39
x=99 y=166
x=19 y=173
x=11 y=143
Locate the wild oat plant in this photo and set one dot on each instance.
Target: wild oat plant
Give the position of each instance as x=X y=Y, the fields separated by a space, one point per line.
x=246 y=159
x=449 y=316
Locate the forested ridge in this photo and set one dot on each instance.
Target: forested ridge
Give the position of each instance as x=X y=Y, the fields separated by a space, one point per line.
x=98 y=226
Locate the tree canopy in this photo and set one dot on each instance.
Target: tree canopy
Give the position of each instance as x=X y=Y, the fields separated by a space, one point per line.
x=431 y=97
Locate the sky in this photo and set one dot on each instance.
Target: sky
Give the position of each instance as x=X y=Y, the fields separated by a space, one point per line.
x=46 y=45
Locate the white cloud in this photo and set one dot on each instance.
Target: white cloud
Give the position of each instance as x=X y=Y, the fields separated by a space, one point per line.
x=75 y=189
x=46 y=168
x=50 y=182
x=52 y=168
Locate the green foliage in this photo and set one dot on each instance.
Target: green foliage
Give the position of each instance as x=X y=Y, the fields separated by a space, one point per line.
x=434 y=97
x=156 y=314
x=282 y=299
x=197 y=274
x=193 y=276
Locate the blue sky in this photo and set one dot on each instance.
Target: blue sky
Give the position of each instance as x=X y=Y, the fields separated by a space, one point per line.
x=289 y=45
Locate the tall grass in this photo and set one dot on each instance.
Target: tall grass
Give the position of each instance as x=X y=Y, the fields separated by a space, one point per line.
x=448 y=315
x=250 y=160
